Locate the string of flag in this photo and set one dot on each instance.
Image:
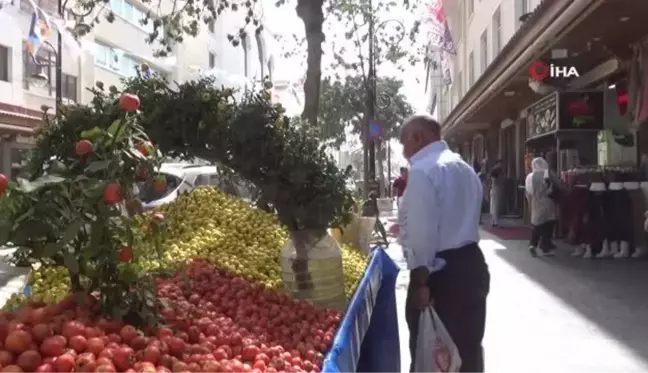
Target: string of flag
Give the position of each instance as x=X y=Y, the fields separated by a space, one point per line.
x=42 y=27
x=440 y=37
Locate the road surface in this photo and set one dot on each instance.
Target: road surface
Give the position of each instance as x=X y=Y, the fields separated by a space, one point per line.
x=556 y=314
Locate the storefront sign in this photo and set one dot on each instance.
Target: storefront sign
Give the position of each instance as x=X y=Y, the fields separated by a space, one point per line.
x=541 y=116
x=581 y=110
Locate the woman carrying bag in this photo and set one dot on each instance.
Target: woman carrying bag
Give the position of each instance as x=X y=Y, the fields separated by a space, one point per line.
x=543 y=189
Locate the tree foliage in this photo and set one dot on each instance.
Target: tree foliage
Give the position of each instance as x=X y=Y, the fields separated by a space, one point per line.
x=343 y=104
x=68 y=210
x=252 y=137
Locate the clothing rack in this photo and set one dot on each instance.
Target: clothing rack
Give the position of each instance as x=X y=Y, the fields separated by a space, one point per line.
x=586 y=175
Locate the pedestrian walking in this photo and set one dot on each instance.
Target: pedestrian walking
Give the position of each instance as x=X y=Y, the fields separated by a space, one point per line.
x=542 y=187
x=496 y=190
x=400 y=184
x=438 y=219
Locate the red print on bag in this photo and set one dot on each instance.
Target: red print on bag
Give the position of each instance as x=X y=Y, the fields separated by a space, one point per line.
x=442 y=356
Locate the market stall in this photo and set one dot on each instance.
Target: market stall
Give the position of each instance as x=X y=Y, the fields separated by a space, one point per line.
x=205 y=282
x=367 y=339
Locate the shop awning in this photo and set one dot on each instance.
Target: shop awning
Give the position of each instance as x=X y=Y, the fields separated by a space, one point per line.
x=595 y=30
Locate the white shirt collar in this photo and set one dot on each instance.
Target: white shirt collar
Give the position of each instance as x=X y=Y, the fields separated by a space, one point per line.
x=432 y=148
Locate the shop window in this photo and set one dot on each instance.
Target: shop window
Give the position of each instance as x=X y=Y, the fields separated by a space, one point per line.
x=4 y=63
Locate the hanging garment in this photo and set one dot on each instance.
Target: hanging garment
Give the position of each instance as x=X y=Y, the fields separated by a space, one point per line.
x=596 y=222
x=577 y=214
x=634 y=85
x=638 y=209
x=619 y=216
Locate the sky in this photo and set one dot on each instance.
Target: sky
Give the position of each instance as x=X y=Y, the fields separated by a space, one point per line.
x=284 y=21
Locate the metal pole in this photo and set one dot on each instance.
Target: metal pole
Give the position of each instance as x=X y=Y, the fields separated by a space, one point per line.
x=59 y=64
x=371 y=99
x=389 y=191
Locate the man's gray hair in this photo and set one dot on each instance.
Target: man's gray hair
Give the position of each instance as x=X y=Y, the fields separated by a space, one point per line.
x=424 y=122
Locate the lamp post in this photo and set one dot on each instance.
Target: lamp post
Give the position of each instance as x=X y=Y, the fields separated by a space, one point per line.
x=372 y=95
x=40 y=78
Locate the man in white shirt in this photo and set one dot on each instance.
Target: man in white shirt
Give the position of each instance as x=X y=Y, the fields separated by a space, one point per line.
x=439 y=220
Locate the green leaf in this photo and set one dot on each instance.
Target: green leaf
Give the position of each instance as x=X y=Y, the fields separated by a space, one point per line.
x=116 y=126
x=50 y=250
x=92 y=133
x=98 y=166
x=30 y=186
x=70 y=262
x=96 y=233
x=71 y=232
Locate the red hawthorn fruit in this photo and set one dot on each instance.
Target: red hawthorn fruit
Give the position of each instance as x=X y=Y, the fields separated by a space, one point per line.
x=113 y=194
x=129 y=102
x=125 y=254
x=4 y=183
x=84 y=147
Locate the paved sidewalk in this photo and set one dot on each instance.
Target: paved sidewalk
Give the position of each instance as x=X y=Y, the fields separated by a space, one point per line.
x=12 y=279
x=555 y=314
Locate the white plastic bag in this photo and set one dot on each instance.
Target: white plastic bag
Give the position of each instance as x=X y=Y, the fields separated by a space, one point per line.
x=435 y=349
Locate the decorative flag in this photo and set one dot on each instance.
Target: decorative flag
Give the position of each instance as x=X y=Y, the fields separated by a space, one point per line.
x=39 y=29
x=438 y=30
x=446 y=70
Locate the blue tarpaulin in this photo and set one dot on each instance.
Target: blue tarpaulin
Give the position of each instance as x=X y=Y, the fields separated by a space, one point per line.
x=367 y=339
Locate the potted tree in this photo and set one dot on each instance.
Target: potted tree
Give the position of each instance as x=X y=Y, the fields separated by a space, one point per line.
x=282 y=158
x=69 y=210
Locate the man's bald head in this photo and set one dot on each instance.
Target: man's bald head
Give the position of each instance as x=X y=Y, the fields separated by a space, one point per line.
x=417 y=132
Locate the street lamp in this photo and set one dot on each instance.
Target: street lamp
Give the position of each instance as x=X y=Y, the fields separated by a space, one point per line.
x=371 y=94
x=40 y=79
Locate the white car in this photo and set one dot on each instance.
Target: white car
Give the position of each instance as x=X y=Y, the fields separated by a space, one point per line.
x=182 y=178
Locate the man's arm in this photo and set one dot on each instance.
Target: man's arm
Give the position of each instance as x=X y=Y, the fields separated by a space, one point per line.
x=420 y=225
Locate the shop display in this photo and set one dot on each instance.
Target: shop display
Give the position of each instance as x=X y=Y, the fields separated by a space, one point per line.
x=214 y=322
x=195 y=285
x=604 y=212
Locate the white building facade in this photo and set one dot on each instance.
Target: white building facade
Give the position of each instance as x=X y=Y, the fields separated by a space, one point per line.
x=480 y=28
x=110 y=52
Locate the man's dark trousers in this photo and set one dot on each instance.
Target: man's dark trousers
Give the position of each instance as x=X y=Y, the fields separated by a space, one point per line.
x=459 y=292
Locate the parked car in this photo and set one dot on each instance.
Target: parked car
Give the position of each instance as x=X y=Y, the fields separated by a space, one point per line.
x=183 y=178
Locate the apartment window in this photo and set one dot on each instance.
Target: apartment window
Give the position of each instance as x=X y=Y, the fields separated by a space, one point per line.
x=497 y=32
x=131 y=13
x=44 y=57
x=4 y=63
x=470 y=7
x=471 y=68
x=212 y=60
x=112 y=59
x=69 y=83
x=483 y=41
x=69 y=86
x=49 y=6
x=459 y=82
x=521 y=8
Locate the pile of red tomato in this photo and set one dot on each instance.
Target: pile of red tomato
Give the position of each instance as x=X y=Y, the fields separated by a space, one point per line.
x=215 y=322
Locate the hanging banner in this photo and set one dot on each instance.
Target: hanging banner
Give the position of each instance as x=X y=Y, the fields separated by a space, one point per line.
x=438 y=31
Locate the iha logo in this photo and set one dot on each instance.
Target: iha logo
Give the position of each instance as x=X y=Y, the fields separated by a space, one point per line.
x=540 y=70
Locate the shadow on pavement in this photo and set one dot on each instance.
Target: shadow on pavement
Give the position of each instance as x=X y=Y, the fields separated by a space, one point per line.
x=610 y=293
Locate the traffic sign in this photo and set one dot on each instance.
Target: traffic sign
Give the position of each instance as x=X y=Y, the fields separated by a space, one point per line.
x=375 y=129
